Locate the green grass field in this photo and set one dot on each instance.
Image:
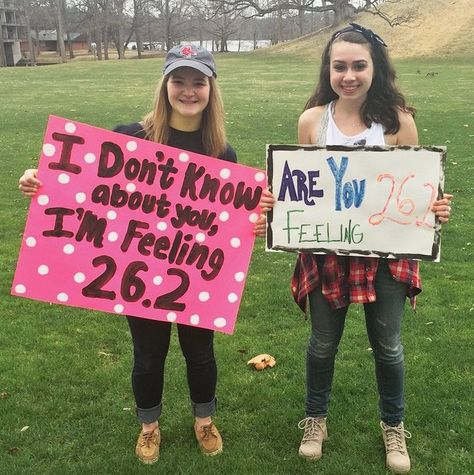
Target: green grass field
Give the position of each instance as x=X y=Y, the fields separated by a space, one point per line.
x=65 y=372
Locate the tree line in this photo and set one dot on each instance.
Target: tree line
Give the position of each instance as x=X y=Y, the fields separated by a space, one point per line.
x=164 y=23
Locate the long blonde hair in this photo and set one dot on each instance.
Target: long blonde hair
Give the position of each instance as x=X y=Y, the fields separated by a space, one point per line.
x=156 y=122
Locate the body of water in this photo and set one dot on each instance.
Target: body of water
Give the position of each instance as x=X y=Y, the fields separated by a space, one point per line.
x=232 y=45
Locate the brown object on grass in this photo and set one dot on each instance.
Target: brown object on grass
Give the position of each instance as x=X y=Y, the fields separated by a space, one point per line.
x=262 y=361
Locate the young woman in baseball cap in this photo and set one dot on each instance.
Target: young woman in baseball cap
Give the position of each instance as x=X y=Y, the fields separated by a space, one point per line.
x=188 y=113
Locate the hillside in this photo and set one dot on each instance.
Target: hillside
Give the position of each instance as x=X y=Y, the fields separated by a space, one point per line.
x=442 y=28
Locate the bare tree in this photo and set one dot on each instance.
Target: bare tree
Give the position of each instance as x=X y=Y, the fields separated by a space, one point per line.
x=222 y=24
x=96 y=17
x=60 y=29
x=31 y=48
x=117 y=26
x=137 y=24
x=96 y=27
x=277 y=32
x=67 y=28
x=342 y=10
x=300 y=6
x=104 y=9
x=175 y=15
x=3 y=57
x=403 y=18
x=130 y=18
x=41 y=16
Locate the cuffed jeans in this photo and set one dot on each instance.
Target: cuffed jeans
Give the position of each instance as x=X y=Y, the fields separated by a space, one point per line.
x=383 y=321
x=151 y=340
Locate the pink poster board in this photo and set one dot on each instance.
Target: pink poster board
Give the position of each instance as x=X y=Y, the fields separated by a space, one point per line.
x=132 y=227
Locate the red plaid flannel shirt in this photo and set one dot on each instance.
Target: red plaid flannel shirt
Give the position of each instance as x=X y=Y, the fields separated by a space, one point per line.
x=346 y=280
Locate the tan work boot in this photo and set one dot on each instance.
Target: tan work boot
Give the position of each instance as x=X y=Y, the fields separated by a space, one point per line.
x=148 y=446
x=398 y=460
x=209 y=439
x=315 y=432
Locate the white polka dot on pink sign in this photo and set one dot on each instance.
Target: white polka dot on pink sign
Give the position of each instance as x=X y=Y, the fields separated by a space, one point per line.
x=204 y=296
x=232 y=297
x=112 y=236
x=49 y=149
x=69 y=249
x=81 y=197
x=89 y=158
x=171 y=316
x=63 y=297
x=132 y=146
x=70 y=128
x=64 y=178
x=225 y=173
x=79 y=277
x=220 y=322
x=43 y=269
x=20 y=289
x=30 y=241
x=43 y=200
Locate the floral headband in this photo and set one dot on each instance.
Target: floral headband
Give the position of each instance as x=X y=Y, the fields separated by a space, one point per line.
x=369 y=35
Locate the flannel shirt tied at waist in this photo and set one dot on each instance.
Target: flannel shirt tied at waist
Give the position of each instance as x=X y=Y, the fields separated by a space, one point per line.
x=346 y=280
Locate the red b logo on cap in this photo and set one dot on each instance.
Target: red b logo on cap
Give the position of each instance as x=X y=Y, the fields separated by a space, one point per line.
x=187 y=51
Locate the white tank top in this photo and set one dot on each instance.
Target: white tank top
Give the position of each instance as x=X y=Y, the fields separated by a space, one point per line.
x=372 y=136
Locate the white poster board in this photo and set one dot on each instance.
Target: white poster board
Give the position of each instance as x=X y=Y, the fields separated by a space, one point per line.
x=361 y=201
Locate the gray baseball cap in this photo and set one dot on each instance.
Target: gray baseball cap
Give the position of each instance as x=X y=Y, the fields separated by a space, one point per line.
x=190 y=56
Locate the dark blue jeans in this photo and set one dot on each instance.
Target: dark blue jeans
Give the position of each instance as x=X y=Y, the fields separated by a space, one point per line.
x=151 y=340
x=383 y=321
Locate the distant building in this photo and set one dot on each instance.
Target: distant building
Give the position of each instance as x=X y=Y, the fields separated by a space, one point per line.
x=12 y=31
x=47 y=40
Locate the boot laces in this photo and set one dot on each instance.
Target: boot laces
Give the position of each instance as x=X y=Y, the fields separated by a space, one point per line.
x=395 y=437
x=148 y=438
x=313 y=429
x=208 y=431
